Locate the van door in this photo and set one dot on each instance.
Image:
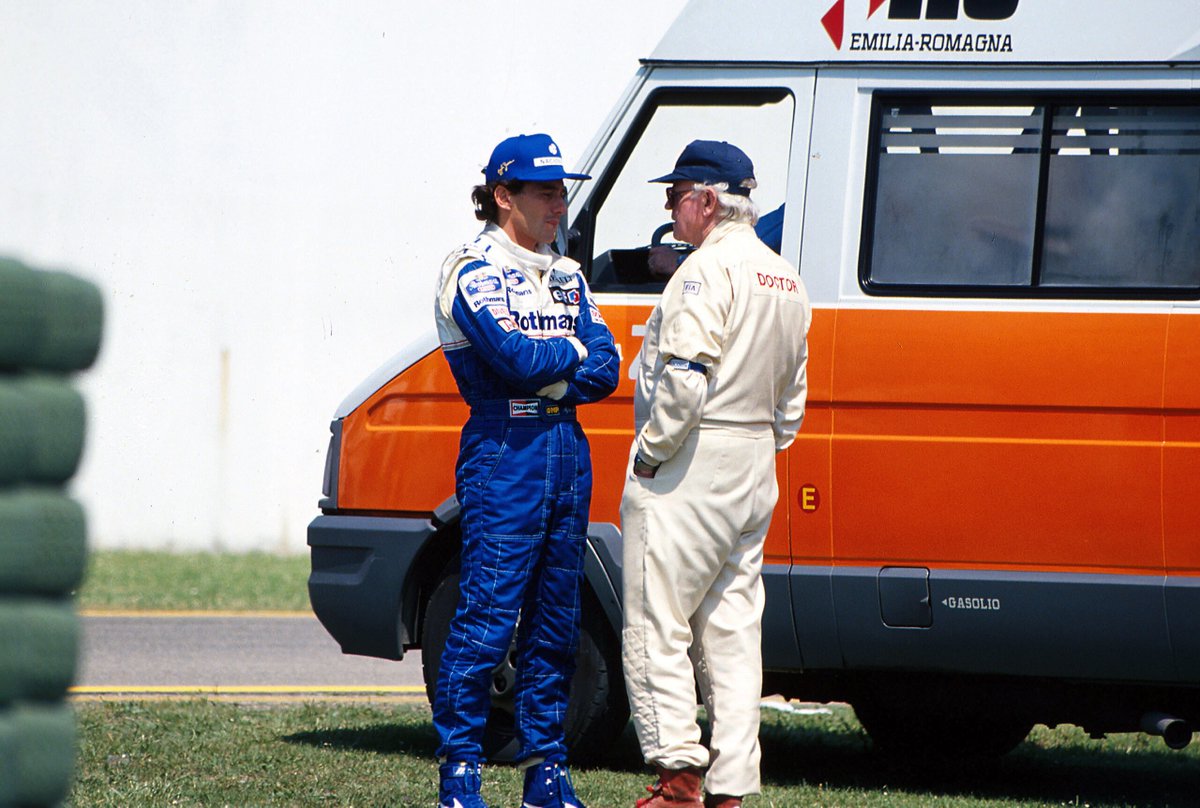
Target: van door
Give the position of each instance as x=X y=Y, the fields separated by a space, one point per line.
x=766 y=113
x=1181 y=503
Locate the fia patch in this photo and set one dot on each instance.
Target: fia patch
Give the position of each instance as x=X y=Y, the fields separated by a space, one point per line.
x=691 y=287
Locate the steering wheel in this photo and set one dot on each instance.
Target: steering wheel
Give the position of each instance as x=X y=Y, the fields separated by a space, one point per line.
x=657 y=239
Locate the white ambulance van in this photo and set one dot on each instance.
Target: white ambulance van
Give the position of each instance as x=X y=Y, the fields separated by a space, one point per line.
x=992 y=515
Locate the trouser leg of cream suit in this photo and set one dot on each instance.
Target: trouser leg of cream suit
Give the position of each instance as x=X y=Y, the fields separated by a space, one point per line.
x=693 y=545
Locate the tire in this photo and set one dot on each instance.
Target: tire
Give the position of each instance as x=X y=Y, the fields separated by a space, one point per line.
x=44 y=751
x=16 y=441
x=55 y=427
x=22 y=321
x=939 y=723
x=43 y=541
x=598 y=709
x=74 y=319
x=41 y=642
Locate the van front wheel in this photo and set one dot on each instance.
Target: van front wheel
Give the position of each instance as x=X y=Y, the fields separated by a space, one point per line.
x=597 y=710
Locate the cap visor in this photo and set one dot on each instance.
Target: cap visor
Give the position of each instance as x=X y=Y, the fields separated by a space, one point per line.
x=672 y=177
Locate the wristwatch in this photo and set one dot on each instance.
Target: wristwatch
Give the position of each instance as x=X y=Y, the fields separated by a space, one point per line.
x=643 y=469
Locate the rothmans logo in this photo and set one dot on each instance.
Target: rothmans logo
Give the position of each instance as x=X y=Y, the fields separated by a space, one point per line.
x=834 y=23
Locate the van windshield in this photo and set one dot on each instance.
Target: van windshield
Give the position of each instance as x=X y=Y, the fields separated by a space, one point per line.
x=625 y=216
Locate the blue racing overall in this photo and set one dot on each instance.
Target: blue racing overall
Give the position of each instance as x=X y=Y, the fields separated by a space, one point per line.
x=526 y=344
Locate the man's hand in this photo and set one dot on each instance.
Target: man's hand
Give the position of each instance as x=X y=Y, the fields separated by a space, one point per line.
x=555 y=390
x=643 y=469
x=662 y=261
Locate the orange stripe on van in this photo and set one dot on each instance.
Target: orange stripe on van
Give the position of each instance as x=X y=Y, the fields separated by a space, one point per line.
x=1045 y=441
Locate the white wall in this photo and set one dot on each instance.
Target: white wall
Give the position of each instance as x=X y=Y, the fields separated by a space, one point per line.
x=264 y=191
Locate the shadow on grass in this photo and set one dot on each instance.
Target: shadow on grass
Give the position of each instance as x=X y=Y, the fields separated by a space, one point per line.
x=386 y=739
x=1083 y=772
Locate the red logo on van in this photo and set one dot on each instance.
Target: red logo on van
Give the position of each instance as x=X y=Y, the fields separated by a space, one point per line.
x=834 y=20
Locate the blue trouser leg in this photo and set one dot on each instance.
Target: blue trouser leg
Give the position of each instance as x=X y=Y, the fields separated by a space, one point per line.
x=549 y=632
x=524 y=492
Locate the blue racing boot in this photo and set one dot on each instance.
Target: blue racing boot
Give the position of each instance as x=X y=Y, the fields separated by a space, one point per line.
x=548 y=785
x=460 y=784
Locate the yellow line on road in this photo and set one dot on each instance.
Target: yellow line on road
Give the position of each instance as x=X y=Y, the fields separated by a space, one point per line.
x=255 y=698
x=83 y=690
x=158 y=613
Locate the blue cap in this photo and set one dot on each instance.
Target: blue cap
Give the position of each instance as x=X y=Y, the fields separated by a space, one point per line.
x=532 y=158
x=710 y=162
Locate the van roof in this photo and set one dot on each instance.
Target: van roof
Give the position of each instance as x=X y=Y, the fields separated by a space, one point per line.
x=934 y=31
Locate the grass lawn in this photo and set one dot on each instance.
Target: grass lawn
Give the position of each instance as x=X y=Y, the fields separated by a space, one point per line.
x=199 y=753
x=143 y=580
x=212 y=753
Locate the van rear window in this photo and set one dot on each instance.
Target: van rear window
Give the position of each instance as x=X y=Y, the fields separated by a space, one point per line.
x=1038 y=197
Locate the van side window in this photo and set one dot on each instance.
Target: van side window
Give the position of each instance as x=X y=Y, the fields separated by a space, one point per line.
x=1033 y=197
x=624 y=216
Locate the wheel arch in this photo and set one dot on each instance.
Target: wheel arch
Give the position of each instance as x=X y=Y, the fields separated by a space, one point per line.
x=442 y=551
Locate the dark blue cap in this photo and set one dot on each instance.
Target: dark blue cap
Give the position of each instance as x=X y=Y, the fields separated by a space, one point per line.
x=532 y=158
x=710 y=162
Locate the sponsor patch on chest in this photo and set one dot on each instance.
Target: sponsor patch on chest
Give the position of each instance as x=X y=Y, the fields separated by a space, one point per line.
x=481 y=288
x=569 y=297
x=563 y=279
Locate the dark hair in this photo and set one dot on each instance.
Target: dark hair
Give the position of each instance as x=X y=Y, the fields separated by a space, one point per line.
x=484 y=197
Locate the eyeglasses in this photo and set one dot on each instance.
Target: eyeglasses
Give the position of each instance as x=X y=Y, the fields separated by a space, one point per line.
x=674 y=196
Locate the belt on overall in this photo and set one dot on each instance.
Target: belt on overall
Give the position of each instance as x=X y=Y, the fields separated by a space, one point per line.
x=539 y=409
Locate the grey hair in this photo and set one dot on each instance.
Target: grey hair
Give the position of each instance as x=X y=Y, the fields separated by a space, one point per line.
x=733 y=207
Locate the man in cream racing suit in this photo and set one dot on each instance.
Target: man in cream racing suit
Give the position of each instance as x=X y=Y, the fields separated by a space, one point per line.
x=721 y=388
x=526 y=345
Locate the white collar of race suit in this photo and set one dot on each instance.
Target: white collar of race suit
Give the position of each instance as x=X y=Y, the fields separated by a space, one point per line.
x=543 y=259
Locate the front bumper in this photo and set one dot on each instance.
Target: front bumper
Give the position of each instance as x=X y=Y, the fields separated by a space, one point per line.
x=361 y=566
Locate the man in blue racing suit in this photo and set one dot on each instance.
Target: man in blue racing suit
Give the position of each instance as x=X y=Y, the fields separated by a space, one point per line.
x=526 y=344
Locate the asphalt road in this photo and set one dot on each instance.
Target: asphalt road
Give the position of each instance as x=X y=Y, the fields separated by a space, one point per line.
x=229 y=654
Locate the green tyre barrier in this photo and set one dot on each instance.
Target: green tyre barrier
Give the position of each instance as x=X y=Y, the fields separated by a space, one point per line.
x=22 y=313
x=73 y=320
x=56 y=427
x=43 y=542
x=8 y=760
x=45 y=752
x=41 y=642
x=16 y=440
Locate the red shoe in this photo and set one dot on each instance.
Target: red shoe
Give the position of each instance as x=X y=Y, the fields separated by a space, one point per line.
x=676 y=788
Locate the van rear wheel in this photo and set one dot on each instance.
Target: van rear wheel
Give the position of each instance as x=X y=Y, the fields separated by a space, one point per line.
x=597 y=709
